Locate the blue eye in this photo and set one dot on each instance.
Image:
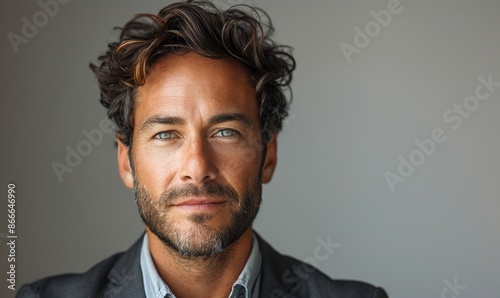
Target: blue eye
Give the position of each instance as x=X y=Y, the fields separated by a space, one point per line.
x=226 y=133
x=165 y=135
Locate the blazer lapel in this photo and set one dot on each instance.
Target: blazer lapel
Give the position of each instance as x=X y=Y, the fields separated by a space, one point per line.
x=125 y=278
x=278 y=280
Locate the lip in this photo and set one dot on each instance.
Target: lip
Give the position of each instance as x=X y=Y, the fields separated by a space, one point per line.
x=199 y=201
x=200 y=204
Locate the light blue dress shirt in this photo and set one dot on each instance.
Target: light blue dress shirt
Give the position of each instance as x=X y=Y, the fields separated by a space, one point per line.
x=246 y=286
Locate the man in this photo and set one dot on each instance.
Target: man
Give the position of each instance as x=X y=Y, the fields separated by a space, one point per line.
x=197 y=97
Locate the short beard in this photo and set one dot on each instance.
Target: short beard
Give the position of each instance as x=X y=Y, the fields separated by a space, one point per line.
x=203 y=240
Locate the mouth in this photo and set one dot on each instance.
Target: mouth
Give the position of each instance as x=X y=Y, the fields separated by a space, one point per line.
x=200 y=204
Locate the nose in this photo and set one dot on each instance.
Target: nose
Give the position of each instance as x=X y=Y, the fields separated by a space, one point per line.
x=197 y=162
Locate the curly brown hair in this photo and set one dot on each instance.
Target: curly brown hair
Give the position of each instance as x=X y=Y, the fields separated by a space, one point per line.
x=196 y=26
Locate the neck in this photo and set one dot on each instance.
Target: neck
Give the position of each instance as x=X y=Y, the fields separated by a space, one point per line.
x=200 y=277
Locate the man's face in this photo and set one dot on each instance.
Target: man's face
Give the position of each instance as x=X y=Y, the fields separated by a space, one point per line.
x=197 y=153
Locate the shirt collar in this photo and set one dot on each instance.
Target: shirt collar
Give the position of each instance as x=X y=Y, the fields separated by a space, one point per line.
x=247 y=284
x=154 y=286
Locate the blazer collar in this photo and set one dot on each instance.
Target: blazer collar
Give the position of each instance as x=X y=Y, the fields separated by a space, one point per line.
x=277 y=278
x=126 y=276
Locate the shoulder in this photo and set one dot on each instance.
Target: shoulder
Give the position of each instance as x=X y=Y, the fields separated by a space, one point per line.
x=311 y=281
x=285 y=276
x=71 y=285
x=117 y=276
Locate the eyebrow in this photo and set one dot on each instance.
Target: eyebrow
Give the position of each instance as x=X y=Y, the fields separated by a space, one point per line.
x=220 y=118
x=174 y=120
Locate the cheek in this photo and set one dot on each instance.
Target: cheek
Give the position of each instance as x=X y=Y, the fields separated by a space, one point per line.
x=154 y=169
x=242 y=164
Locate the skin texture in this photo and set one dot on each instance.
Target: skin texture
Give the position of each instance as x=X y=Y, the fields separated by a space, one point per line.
x=198 y=166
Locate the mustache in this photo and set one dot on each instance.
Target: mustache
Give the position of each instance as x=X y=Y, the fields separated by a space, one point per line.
x=170 y=196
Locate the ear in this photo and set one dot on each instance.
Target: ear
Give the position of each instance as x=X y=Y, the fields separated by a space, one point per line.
x=124 y=164
x=270 y=161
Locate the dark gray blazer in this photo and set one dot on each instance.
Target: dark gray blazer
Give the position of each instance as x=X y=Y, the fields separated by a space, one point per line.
x=121 y=276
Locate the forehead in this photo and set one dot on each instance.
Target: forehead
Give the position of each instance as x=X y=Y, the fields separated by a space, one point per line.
x=181 y=84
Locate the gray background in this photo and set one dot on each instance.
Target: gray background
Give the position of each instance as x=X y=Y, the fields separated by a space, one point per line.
x=349 y=124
